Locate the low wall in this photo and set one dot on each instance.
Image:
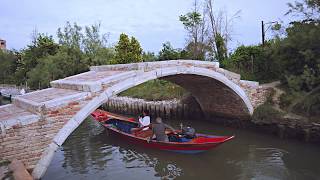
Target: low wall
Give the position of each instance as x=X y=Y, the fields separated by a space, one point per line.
x=166 y=109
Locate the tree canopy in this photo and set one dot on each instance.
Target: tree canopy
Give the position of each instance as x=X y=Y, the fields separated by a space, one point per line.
x=127 y=50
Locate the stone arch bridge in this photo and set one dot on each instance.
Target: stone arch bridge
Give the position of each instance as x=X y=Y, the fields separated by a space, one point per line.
x=37 y=123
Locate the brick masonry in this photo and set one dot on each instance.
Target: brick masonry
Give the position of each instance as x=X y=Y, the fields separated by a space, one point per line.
x=37 y=123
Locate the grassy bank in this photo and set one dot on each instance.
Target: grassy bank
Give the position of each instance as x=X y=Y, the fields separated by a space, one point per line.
x=156 y=90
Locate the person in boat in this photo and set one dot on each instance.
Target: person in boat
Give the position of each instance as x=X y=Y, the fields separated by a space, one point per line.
x=159 y=130
x=143 y=121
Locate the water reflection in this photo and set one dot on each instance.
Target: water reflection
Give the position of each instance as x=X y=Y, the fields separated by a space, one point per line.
x=89 y=153
x=263 y=163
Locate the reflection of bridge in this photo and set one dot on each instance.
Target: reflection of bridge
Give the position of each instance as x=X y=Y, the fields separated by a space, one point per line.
x=37 y=123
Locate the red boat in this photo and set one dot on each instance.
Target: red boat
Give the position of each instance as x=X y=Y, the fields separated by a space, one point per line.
x=121 y=126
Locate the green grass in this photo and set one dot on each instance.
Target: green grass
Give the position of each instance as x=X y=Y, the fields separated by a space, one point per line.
x=155 y=90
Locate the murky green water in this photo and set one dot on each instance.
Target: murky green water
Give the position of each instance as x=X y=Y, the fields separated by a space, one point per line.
x=89 y=153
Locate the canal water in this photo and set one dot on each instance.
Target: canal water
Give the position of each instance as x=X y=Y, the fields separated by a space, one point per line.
x=90 y=153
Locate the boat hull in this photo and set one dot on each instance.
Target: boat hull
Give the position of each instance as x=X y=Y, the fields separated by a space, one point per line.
x=191 y=147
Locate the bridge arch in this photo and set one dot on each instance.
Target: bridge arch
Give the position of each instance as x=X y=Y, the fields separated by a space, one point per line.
x=200 y=81
x=180 y=75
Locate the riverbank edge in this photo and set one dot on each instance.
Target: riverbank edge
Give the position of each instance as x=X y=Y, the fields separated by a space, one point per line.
x=285 y=127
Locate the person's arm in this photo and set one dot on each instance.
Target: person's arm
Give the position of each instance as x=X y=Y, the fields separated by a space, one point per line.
x=140 y=121
x=169 y=127
x=142 y=127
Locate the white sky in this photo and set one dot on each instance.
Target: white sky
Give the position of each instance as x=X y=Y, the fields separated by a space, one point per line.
x=152 y=22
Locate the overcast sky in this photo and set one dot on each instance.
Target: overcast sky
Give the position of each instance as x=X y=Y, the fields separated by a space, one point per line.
x=152 y=22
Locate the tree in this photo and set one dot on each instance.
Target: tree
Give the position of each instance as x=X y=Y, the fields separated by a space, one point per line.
x=168 y=52
x=307 y=9
x=195 y=25
x=102 y=56
x=209 y=32
x=42 y=46
x=71 y=36
x=57 y=66
x=299 y=55
x=219 y=31
x=220 y=47
x=255 y=62
x=149 y=56
x=93 y=40
x=127 y=51
x=135 y=50
x=8 y=63
x=94 y=46
x=45 y=60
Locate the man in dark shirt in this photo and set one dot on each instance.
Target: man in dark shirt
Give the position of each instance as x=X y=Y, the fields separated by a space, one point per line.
x=158 y=130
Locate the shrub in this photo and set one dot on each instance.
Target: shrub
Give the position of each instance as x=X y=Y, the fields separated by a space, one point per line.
x=309 y=105
x=266 y=113
x=289 y=98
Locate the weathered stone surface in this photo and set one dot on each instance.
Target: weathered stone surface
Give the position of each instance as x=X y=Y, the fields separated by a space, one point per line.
x=11 y=115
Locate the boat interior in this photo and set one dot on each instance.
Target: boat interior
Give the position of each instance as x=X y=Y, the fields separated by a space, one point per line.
x=127 y=126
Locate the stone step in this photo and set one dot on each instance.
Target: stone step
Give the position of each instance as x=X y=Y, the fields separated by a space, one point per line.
x=249 y=84
x=11 y=115
x=230 y=75
x=48 y=98
x=91 y=81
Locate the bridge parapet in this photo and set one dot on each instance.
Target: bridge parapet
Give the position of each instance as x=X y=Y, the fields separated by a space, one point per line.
x=149 y=66
x=94 y=80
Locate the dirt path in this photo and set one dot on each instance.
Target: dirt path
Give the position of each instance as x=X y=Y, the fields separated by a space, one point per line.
x=277 y=94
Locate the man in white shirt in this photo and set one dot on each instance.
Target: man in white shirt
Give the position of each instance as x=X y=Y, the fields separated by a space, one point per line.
x=143 y=121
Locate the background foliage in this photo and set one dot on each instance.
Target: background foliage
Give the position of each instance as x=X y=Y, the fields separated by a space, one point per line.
x=292 y=56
